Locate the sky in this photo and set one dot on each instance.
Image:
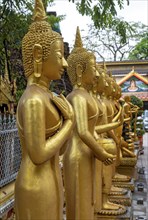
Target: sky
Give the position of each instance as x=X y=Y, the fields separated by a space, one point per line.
x=136 y=11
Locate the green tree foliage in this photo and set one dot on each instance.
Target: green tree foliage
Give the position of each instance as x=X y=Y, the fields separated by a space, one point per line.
x=54 y=22
x=140 y=51
x=13 y=27
x=15 y=18
x=103 y=14
x=136 y=101
x=108 y=45
x=139 y=125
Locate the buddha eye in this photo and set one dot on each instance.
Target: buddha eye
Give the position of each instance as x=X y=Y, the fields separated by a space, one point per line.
x=59 y=55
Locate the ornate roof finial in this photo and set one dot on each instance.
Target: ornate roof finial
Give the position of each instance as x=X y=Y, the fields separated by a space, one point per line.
x=39 y=11
x=133 y=69
x=78 y=40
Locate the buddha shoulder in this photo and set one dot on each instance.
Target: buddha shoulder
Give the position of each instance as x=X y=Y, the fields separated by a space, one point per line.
x=34 y=95
x=77 y=95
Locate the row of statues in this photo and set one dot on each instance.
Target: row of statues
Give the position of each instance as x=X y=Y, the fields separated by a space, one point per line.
x=85 y=129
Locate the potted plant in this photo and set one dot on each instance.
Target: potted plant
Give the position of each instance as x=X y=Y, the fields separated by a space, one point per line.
x=139 y=123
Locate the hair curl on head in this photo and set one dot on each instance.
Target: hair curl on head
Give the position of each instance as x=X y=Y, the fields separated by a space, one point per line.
x=78 y=56
x=127 y=98
x=39 y=33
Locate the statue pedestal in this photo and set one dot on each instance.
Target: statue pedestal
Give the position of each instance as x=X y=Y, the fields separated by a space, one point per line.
x=122 y=199
x=127 y=166
x=128 y=185
x=127 y=216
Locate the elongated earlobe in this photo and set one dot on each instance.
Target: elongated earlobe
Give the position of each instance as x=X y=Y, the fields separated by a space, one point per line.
x=37 y=55
x=79 y=75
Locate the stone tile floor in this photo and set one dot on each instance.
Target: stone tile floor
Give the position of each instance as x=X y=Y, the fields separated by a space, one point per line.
x=140 y=195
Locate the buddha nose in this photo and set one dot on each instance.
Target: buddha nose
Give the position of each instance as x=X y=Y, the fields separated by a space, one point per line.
x=97 y=74
x=65 y=64
x=106 y=84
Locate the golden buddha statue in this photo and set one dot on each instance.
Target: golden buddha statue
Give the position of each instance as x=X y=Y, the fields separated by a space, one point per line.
x=44 y=124
x=112 y=115
x=134 y=110
x=116 y=107
x=127 y=140
x=107 y=143
x=116 y=104
x=79 y=158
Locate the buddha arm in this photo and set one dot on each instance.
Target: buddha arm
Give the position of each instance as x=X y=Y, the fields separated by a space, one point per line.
x=39 y=148
x=112 y=135
x=127 y=119
x=81 y=115
x=130 y=153
x=127 y=112
x=96 y=136
x=118 y=114
x=133 y=106
x=133 y=110
x=106 y=127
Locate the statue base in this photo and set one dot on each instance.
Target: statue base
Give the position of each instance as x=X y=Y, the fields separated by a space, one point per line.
x=118 y=191
x=120 y=178
x=108 y=212
x=126 y=216
x=128 y=185
x=127 y=166
x=128 y=161
x=122 y=199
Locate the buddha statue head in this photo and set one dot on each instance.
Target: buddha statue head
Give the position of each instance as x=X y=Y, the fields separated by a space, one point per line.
x=109 y=85
x=119 y=92
x=112 y=88
x=127 y=98
x=101 y=81
x=115 y=86
x=42 y=48
x=81 y=65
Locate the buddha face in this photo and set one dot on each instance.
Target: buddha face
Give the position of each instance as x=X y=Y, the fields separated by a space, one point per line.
x=54 y=65
x=115 y=92
x=113 y=86
x=119 y=93
x=108 y=87
x=90 y=72
x=127 y=98
x=101 y=83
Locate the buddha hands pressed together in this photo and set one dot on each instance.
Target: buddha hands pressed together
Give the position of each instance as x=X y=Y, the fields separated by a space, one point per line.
x=64 y=106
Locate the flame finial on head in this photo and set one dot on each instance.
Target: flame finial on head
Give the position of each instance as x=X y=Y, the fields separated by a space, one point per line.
x=78 y=40
x=39 y=11
x=110 y=74
x=104 y=65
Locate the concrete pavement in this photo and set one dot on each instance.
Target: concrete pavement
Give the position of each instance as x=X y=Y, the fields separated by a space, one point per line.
x=140 y=195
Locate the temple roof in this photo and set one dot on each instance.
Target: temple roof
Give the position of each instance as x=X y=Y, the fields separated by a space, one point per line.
x=5 y=91
x=133 y=73
x=121 y=68
x=143 y=95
